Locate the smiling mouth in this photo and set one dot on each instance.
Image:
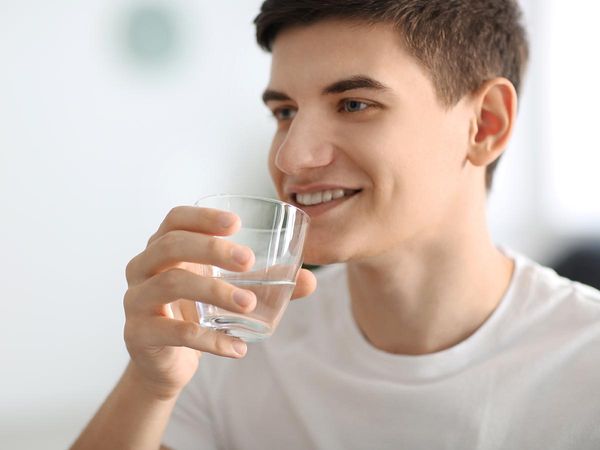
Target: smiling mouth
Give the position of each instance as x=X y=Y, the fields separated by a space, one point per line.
x=321 y=197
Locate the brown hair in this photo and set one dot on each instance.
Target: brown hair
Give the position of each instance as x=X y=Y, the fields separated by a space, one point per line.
x=461 y=43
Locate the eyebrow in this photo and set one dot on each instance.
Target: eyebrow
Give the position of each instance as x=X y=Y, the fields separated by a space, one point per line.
x=348 y=84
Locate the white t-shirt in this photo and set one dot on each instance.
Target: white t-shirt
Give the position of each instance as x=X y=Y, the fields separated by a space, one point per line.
x=528 y=378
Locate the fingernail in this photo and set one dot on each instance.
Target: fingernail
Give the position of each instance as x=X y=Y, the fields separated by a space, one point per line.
x=240 y=255
x=239 y=347
x=242 y=298
x=226 y=220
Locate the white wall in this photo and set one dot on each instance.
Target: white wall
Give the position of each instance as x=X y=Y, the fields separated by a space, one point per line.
x=546 y=192
x=95 y=149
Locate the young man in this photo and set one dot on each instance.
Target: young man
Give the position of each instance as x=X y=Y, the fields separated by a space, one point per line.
x=428 y=336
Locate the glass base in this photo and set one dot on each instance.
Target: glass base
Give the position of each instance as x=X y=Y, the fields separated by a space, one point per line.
x=239 y=327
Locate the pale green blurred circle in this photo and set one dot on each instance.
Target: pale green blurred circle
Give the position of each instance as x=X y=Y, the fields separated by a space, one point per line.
x=152 y=35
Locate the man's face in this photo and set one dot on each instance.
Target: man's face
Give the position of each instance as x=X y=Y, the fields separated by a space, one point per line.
x=357 y=115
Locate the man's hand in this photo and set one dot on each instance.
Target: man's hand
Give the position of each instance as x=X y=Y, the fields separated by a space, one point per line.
x=161 y=329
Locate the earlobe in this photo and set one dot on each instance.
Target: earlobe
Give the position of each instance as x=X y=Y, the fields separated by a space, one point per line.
x=493 y=122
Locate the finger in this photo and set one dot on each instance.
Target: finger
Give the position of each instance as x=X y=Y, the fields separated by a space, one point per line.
x=306 y=283
x=152 y=295
x=199 y=220
x=161 y=331
x=184 y=246
x=185 y=310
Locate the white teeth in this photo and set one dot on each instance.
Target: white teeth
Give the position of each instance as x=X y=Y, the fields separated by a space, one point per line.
x=338 y=193
x=316 y=198
x=319 y=197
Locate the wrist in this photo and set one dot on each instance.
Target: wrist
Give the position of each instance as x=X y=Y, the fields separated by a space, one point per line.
x=135 y=380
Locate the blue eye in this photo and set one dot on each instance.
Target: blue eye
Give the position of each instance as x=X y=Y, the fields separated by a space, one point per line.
x=351 y=106
x=284 y=113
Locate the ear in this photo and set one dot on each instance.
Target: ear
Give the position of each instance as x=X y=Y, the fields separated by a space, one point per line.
x=495 y=108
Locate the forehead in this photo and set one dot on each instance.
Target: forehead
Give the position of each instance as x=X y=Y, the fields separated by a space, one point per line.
x=334 y=49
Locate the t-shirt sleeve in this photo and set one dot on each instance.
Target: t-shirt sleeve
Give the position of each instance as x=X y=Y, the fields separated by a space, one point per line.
x=191 y=426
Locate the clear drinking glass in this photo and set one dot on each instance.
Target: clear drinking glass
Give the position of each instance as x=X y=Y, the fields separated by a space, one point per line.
x=275 y=231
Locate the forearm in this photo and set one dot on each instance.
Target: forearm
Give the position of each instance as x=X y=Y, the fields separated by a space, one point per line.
x=130 y=418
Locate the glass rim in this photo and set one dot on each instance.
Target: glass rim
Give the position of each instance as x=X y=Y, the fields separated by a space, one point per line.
x=255 y=197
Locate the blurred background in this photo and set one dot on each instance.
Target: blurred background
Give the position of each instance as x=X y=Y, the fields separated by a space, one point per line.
x=114 y=111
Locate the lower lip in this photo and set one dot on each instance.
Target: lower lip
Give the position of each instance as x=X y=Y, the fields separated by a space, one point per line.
x=317 y=210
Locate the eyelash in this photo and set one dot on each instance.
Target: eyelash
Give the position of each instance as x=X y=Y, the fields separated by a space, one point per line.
x=343 y=103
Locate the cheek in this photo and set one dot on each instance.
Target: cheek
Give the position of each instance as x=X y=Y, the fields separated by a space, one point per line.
x=367 y=144
x=409 y=163
x=382 y=153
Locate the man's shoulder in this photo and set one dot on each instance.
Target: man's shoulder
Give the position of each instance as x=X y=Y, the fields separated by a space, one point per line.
x=548 y=304
x=548 y=286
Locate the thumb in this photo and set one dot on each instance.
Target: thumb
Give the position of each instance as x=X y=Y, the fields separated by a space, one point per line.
x=306 y=283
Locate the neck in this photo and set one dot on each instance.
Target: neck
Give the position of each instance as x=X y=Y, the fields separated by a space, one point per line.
x=429 y=297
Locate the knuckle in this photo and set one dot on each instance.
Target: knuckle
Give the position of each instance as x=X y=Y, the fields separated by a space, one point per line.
x=130 y=270
x=222 y=345
x=216 y=246
x=131 y=302
x=171 y=279
x=189 y=332
x=172 y=215
x=151 y=239
x=217 y=290
x=170 y=243
x=127 y=300
x=211 y=245
x=130 y=332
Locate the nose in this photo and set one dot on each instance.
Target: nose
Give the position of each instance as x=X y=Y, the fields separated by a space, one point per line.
x=306 y=145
